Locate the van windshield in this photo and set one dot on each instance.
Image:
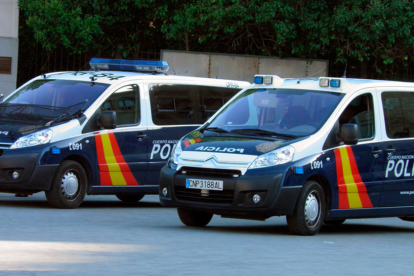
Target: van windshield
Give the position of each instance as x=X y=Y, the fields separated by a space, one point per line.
x=58 y=93
x=277 y=112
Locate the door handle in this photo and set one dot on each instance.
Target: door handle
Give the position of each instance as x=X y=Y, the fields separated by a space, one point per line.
x=140 y=137
x=376 y=151
x=390 y=150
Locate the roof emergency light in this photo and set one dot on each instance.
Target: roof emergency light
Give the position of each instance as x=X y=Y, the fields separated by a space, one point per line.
x=129 y=65
x=325 y=82
x=258 y=79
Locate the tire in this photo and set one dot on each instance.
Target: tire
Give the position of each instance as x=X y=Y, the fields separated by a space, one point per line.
x=194 y=218
x=309 y=214
x=68 y=187
x=129 y=198
x=334 y=221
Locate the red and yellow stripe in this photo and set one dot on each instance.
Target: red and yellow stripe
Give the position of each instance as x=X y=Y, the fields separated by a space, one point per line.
x=352 y=190
x=113 y=169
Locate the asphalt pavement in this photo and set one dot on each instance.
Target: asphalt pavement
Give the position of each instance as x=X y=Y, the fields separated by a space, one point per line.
x=108 y=237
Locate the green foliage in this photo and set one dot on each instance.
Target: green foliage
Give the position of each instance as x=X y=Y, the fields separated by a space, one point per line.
x=84 y=25
x=375 y=31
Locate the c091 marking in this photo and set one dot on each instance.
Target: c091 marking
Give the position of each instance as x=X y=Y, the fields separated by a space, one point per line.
x=75 y=146
x=316 y=165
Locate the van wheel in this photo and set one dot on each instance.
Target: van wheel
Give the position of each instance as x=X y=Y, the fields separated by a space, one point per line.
x=68 y=187
x=194 y=218
x=130 y=198
x=307 y=219
x=334 y=221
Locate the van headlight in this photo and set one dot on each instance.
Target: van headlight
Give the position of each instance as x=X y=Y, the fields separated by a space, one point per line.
x=276 y=157
x=176 y=152
x=34 y=139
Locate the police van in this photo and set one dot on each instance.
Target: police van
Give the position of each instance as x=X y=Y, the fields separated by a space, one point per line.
x=317 y=151
x=101 y=132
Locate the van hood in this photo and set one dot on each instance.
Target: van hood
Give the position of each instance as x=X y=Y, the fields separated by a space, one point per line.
x=227 y=143
x=11 y=130
x=17 y=120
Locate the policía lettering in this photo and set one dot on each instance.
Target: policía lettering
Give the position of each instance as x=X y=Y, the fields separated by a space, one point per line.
x=218 y=149
x=162 y=150
x=400 y=168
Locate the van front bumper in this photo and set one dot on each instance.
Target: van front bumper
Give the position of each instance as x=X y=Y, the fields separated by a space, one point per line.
x=236 y=199
x=20 y=173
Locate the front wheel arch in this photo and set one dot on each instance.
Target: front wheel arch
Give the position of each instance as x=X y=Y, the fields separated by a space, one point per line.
x=86 y=166
x=310 y=210
x=69 y=186
x=326 y=188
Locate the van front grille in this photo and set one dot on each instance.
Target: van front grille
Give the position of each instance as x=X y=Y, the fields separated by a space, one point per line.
x=207 y=172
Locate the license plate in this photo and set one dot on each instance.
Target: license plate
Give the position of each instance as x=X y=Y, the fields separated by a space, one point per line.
x=204 y=184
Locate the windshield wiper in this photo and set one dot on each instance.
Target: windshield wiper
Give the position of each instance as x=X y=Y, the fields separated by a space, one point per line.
x=69 y=115
x=216 y=129
x=257 y=131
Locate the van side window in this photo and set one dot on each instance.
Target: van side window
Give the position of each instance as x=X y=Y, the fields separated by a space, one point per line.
x=212 y=99
x=172 y=104
x=360 y=112
x=125 y=101
x=398 y=114
x=176 y=104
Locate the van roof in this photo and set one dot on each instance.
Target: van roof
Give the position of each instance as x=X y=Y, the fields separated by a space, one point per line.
x=345 y=84
x=112 y=77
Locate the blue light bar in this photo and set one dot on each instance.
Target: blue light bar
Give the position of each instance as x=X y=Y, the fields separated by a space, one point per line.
x=129 y=65
x=258 y=79
x=335 y=83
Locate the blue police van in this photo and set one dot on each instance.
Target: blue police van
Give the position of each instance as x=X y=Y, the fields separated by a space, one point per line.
x=105 y=131
x=317 y=151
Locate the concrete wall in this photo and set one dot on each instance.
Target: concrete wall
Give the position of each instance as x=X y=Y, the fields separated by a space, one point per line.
x=238 y=67
x=9 y=43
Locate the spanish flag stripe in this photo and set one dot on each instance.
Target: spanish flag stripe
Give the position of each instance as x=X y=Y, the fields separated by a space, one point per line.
x=114 y=170
x=103 y=167
x=126 y=172
x=343 y=198
x=352 y=190
x=362 y=190
x=350 y=184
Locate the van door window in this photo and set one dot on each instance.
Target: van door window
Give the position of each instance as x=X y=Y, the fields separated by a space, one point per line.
x=398 y=114
x=125 y=102
x=360 y=112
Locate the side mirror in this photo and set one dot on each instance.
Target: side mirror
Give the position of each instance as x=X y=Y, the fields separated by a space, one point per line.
x=108 y=119
x=349 y=134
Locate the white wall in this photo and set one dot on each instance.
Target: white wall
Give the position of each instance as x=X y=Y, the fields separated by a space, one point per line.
x=9 y=43
x=240 y=67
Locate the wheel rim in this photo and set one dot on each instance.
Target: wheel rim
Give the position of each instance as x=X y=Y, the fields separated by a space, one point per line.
x=312 y=209
x=70 y=185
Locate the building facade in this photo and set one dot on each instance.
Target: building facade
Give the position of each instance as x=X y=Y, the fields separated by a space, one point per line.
x=9 y=45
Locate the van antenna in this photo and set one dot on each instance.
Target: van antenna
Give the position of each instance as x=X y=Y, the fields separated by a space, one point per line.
x=217 y=71
x=346 y=65
x=96 y=55
x=315 y=73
